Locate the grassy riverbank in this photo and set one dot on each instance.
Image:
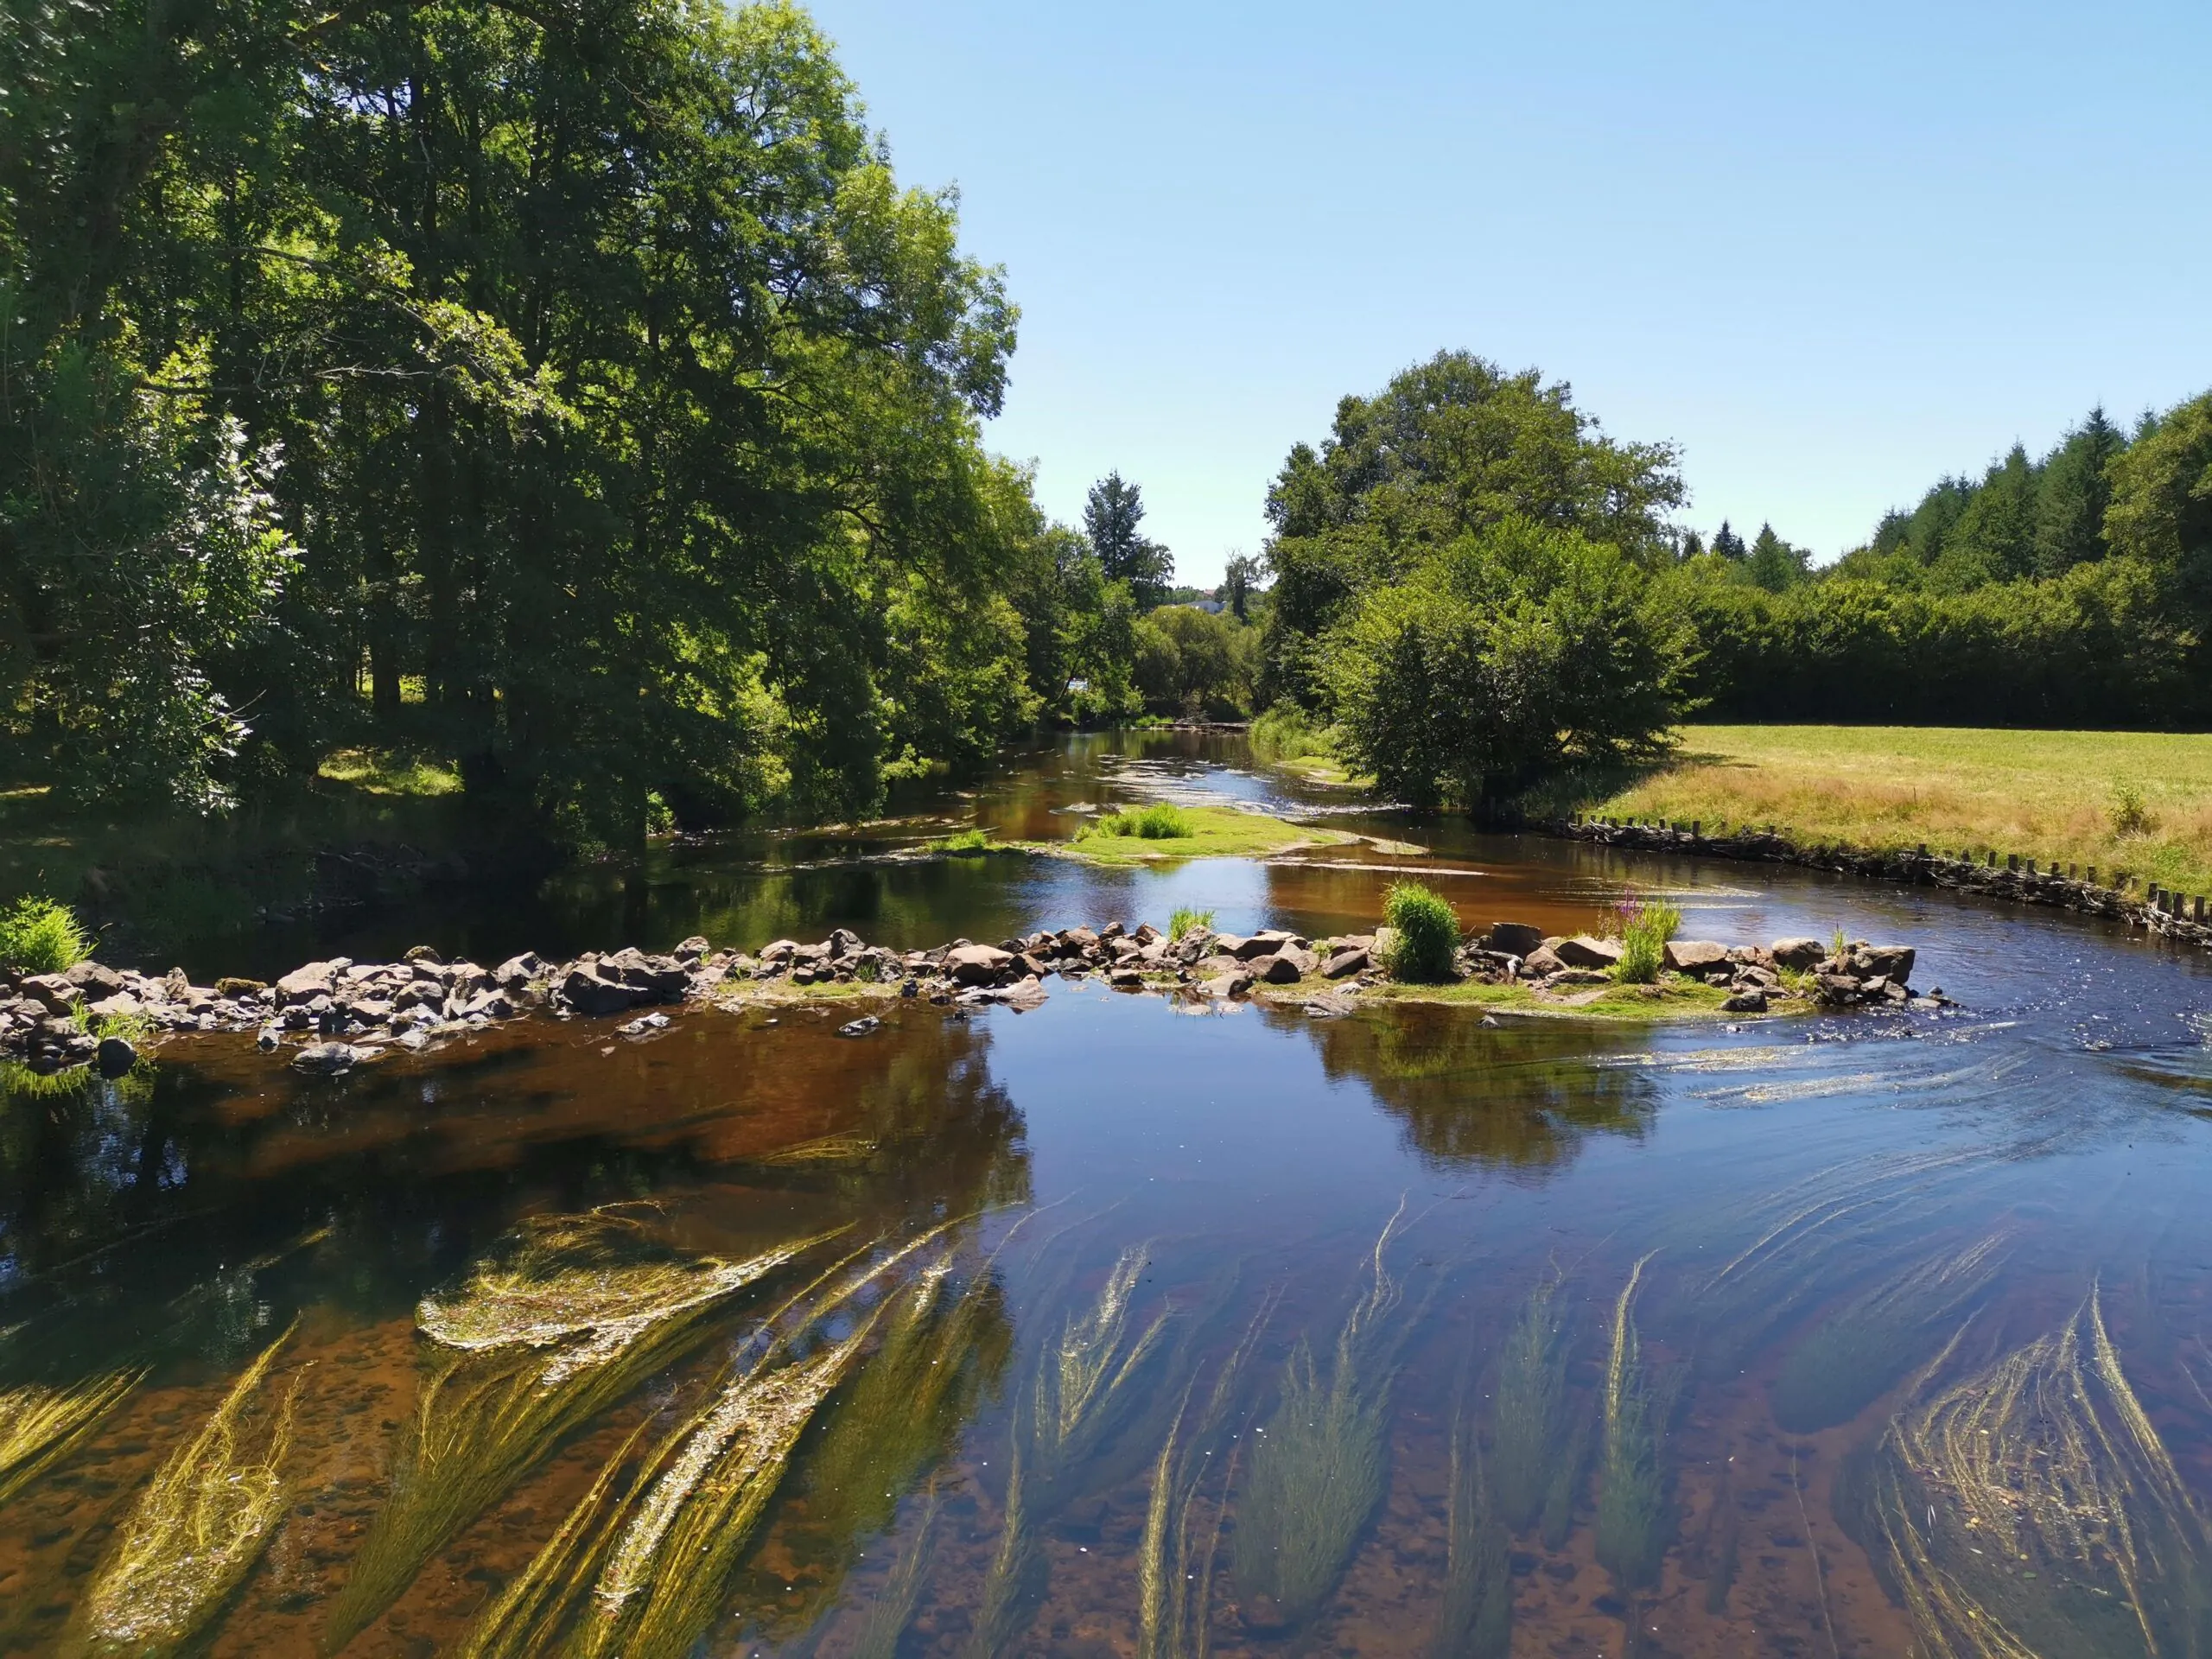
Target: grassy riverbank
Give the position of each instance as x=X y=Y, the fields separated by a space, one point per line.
x=1200 y=832
x=2138 y=802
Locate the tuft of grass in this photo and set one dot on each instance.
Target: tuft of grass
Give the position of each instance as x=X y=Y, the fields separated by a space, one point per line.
x=41 y=936
x=1426 y=943
x=1319 y=1468
x=1643 y=942
x=1632 y=1508
x=1184 y=919
x=194 y=1534
x=584 y=1309
x=1210 y=832
x=40 y=1425
x=1161 y=821
x=965 y=844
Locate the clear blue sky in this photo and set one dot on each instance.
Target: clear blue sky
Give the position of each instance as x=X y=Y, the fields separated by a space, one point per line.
x=1833 y=252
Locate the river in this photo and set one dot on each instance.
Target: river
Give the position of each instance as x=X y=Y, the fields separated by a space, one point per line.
x=1259 y=1332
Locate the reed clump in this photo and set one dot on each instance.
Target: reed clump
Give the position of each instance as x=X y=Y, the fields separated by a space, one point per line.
x=41 y=1425
x=1848 y=1359
x=2032 y=1509
x=1424 y=933
x=1632 y=1528
x=1644 y=936
x=1318 y=1467
x=194 y=1534
x=579 y=1312
x=1186 y=919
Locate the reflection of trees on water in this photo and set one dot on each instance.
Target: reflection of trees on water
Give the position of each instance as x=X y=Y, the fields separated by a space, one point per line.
x=125 y=1212
x=1518 y=1094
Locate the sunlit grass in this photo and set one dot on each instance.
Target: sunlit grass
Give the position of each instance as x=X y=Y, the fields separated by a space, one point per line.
x=1205 y=832
x=41 y=936
x=194 y=1534
x=1186 y=919
x=390 y=772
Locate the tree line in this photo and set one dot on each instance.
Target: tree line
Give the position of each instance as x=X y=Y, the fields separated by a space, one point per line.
x=1477 y=590
x=572 y=392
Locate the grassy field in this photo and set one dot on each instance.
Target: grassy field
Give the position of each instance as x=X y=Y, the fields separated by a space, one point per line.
x=2134 y=802
x=1213 y=832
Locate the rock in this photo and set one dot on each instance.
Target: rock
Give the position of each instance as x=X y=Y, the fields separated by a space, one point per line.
x=1893 y=962
x=860 y=1028
x=1127 y=979
x=1797 y=955
x=94 y=979
x=121 y=1005
x=590 y=993
x=423 y=953
x=976 y=964
x=644 y=1026
x=1078 y=938
x=233 y=987
x=1752 y=1001
x=1541 y=963
x=1835 y=987
x=1751 y=976
x=1344 y=962
x=1698 y=956
x=1227 y=944
x=1513 y=938
x=1584 y=951
x=328 y=1059
x=304 y=984
x=660 y=976
x=843 y=942
x=1263 y=944
x=268 y=1038
x=781 y=950
x=1281 y=968
x=694 y=948
x=518 y=971
x=114 y=1056
x=1227 y=985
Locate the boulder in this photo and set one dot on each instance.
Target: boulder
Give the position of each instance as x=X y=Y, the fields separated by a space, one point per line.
x=1584 y=951
x=518 y=971
x=842 y=943
x=977 y=964
x=661 y=976
x=1078 y=938
x=423 y=953
x=51 y=992
x=231 y=986
x=1346 y=962
x=121 y=1005
x=1513 y=938
x=1797 y=955
x=1541 y=963
x=644 y=1026
x=328 y=1059
x=781 y=951
x=94 y=979
x=1267 y=943
x=860 y=1028
x=1837 y=988
x=305 y=984
x=590 y=993
x=1698 y=956
x=694 y=948
x=1893 y=962
x=1126 y=979
x=114 y=1056
x=1281 y=968
x=1227 y=985
x=1751 y=1000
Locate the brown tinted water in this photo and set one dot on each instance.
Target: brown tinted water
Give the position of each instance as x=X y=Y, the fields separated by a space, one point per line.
x=1839 y=1413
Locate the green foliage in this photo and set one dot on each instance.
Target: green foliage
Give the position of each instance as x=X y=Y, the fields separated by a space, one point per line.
x=1162 y=821
x=1194 y=663
x=1185 y=919
x=1643 y=942
x=2130 y=817
x=1510 y=654
x=41 y=936
x=1287 y=732
x=1428 y=942
x=1112 y=516
x=965 y=844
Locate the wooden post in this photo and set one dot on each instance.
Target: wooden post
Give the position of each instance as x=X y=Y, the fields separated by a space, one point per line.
x=2092 y=875
x=2200 y=909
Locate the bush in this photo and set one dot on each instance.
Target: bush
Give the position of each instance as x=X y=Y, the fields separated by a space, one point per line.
x=1285 y=732
x=1643 y=942
x=41 y=936
x=1428 y=934
x=2130 y=817
x=1186 y=920
x=1162 y=821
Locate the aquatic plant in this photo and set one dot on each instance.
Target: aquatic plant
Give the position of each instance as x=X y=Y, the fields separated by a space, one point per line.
x=41 y=936
x=1529 y=1422
x=41 y=1425
x=1848 y=1358
x=1318 y=1468
x=582 y=1310
x=1184 y=918
x=1632 y=1509
x=892 y=1608
x=1424 y=946
x=2031 y=1509
x=194 y=1534
x=1644 y=936
x=1476 y=1620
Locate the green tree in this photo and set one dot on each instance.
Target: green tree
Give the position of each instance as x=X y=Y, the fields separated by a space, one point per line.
x=2161 y=511
x=1239 y=578
x=1113 y=516
x=1728 y=545
x=1774 y=564
x=2076 y=490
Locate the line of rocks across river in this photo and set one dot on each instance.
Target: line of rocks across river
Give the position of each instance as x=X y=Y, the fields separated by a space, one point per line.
x=334 y=1014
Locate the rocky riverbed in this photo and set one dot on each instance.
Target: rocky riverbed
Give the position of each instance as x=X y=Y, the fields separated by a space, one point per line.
x=332 y=1015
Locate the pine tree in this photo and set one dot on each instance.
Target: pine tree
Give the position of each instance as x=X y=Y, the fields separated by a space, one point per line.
x=1112 y=516
x=1774 y=564
x=2077 y=489
x=1729 y=545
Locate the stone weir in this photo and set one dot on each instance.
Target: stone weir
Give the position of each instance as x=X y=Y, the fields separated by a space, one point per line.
x=332 y=1015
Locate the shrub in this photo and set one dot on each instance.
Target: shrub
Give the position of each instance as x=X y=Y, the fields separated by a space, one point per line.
x=966 y=843
x=41 y=936
x=1285 y=732
x=1643 y=942
x=1428 y=932
x=2130 y=817
x=1185 y=920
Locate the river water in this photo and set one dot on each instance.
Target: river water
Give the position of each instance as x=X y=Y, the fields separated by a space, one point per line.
x=1115 y=1328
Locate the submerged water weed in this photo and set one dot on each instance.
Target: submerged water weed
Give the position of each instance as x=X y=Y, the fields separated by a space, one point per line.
x=1644 y=938
x=1184 y=919
x=892 y=1608
x=1318 y=1467
x=40 y=1425
x=1632 y=1509
x=1426 y=942
x=2032 y=1509
x=1529 y=1423
x=1476 y=1620
x=582 y=1310
x=1175 y=1566
x=1848 y=1359
x=194 y=1534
